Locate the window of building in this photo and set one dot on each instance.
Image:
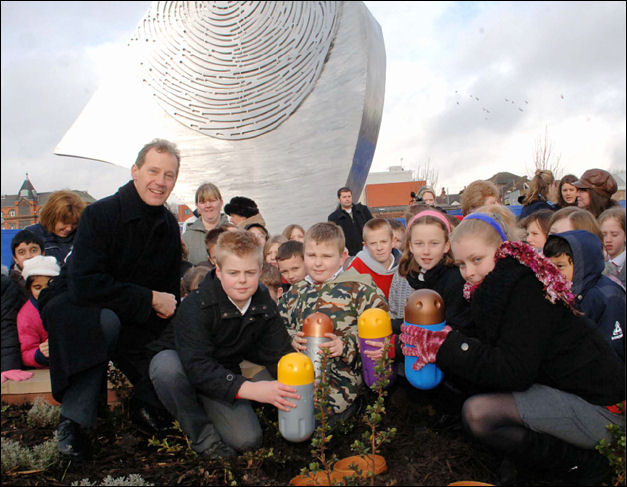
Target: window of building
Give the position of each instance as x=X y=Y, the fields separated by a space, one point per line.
x=24 y=209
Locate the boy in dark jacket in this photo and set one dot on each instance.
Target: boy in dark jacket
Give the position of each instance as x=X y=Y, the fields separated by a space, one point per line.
x=227 y=320
x=578 y=255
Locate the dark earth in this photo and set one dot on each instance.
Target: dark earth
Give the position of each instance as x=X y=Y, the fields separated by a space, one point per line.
x=430 y=448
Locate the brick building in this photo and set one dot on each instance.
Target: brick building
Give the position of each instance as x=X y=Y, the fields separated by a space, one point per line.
x=22 y=209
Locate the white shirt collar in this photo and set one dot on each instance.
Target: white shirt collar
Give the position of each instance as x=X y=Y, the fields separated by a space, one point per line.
x=246 y=306
x=619 y=260
x=312 y=282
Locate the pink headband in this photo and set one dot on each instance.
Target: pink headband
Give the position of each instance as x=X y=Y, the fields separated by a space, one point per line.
x=434 y=214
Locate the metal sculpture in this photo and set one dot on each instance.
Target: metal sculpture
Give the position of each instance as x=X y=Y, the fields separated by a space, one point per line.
x=277 y=101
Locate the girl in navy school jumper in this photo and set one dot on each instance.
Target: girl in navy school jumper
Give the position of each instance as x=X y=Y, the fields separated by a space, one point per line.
x=427 y=263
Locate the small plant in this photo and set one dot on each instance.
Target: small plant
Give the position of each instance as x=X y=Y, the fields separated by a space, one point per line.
x=46 y=454
x=132 y=479
x=42 y=414
x=321 y=436
x=614 y=450
x=164 y=446
x=228 y=477
x=254 y=458
x=40 y=457
x=173 y=447
x=373 y=439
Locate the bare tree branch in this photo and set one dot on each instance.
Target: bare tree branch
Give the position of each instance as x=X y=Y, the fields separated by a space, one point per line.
x=430 y=175
x=544 y=157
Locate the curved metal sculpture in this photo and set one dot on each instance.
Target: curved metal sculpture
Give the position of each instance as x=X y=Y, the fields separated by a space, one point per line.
x=264 y=99
x=234 y=70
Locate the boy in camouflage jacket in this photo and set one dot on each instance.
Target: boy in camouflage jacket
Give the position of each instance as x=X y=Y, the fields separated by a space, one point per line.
x=342 y=296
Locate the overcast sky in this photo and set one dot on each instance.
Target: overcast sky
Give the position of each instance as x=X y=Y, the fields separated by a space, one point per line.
x=469 y=86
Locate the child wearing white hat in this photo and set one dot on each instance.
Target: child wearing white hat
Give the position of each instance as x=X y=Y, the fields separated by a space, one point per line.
x=37 y=273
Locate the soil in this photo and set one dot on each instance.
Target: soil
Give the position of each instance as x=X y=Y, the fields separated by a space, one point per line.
x=428 y=449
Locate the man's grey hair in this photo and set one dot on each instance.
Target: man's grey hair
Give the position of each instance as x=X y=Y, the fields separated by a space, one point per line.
x=160 y=145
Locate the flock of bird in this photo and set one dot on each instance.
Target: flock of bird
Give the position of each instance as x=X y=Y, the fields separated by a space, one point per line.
x=506 y=100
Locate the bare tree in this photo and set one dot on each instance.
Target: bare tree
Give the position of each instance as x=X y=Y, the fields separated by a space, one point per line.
x=424 y=172
x=544 y=157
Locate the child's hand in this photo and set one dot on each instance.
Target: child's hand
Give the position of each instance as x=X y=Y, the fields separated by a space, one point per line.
x=270 y=392
x=374 y=354
x=299 y=342
x=43 y=348
x=335 y=345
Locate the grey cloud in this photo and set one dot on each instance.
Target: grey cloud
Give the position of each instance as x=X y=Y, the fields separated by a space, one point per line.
x=47 y=79
x=38 y=113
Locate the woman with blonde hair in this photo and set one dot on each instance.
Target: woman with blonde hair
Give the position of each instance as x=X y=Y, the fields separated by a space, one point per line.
x=537 y=198
x=58 y=220
x=209 y=208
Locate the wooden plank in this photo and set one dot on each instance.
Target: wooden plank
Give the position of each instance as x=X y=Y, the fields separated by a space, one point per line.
x=27 y=391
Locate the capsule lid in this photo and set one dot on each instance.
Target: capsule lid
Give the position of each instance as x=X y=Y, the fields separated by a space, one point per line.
x=424 y=307
x=295 y=369
x=317 y=324
x=374 y=323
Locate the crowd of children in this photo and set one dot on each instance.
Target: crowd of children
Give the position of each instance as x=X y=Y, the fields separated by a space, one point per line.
x=535 y=314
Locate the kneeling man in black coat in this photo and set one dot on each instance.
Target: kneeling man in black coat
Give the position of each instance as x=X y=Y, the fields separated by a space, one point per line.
x=115 y=295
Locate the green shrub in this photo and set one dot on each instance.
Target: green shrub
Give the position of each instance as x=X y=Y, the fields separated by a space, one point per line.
x=46 y=454
x=15 y=456
x=614 y=450
x=42 y=414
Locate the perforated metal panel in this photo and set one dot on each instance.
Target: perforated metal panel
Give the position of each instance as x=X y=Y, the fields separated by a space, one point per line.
x=234 y=70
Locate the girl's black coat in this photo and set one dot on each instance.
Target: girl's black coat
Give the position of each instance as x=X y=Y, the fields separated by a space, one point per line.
x=520 y=338
x=123 y=250
x=448 y=282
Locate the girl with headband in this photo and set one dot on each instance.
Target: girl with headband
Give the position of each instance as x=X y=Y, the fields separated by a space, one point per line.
x=427 y=263
x=543 y=384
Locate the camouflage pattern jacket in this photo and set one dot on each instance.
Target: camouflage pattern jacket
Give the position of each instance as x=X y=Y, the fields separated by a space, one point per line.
x=343 y=299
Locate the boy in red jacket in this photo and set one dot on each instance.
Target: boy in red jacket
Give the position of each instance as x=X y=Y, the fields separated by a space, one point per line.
x=379 y=257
